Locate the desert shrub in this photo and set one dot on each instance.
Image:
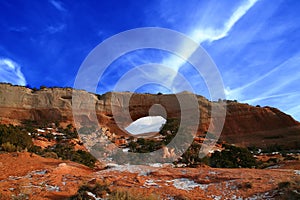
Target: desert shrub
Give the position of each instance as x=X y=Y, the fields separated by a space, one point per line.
x=120 y=195
x=245 y=185
x=20 y=196
x=99 y=190
x=70 y=132
x=171 y=125
x=63 y=150
x=8 y=147
x=253 y=149
x=50 y=155
x=191 y=156
x=180 y=197
x=145 y=145
x=15 y=136
x=102 y=190
x=230 y=157
x=288 y=190
x=49 y=136
x=273 y=160
x=36 y=149
x=66 y=151
x=127 y=195
x=284 y=184
x=289 y=157
x=85 y=158
x=233 y=157
x=273 y=148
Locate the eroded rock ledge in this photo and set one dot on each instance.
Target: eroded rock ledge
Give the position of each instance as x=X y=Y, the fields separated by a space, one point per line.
x=244 y=124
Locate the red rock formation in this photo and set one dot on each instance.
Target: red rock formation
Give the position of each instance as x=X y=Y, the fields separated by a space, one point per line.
x=244 y=124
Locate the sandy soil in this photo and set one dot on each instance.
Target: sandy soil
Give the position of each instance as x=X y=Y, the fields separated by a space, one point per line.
x=35 y=177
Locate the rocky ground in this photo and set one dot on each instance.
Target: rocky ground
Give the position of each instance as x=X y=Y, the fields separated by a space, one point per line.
x=28 y=176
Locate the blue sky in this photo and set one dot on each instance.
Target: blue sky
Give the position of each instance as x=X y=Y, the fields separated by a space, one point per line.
x=255 y=44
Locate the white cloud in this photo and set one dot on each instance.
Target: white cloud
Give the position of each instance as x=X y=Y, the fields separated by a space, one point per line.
x=58 y=5
x=209 y=34
x=237 y=93
x=260 y=98
x=146 y=125
x=281 y=76
x=212 y=34
x=10 y=72
x=20 y=29
x=55 y=29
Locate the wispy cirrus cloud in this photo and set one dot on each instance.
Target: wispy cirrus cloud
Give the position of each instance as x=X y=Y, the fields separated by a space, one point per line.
x=201 y=32
x=215 y=33
x=55 y=29
x=20 y=29
x=260 y=98
x=278 y=87
x=210 y=33
x=10 y=72
x=58 y=5
x=265 y=84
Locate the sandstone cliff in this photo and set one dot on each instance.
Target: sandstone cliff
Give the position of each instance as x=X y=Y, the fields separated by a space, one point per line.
x=244 y=124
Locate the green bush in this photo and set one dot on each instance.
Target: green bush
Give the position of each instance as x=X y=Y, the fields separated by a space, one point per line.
x=126 y=195
x=70 y=132
x=36 y=149
x=100 y=190
x=246 y=185
x=16 y=136
x=273 y=148
x=288 y=190
x=233 y=157
x=66 y=151
x=85 y=158
x=191 y=155
x=285 y=184
x=8 y=147
x=180 y=197
x=50 y=155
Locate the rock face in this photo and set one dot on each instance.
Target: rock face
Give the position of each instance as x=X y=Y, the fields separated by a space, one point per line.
x=20 y=103
x=244 y=124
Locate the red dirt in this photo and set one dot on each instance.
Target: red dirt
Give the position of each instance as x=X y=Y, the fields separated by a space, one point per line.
x=35 y=176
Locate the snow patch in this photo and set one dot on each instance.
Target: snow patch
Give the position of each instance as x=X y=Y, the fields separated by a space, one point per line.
x=187 y=184
x=52 y=188
x=150 y=183
x=141 y=170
